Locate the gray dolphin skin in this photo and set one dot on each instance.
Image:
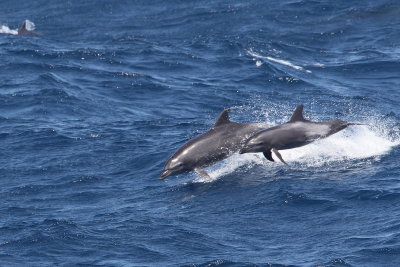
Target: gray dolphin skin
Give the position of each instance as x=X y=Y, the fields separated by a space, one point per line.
x=25 y=30
x=296 y=132
x=221 y=141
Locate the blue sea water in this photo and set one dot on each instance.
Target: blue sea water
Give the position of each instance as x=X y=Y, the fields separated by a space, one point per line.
x=91 y=110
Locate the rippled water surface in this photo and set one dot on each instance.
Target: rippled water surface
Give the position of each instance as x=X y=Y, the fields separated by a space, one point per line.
x=92 y=108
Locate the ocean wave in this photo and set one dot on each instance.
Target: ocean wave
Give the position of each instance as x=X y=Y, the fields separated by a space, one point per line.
x=338 y=262
x=229 y=263
x=373 y=195
x=301 y=199
x=383 y=251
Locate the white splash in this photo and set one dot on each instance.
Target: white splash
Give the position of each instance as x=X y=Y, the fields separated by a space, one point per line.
x=7 y=30
x=276 y=60
x=228 y=166
x=353 y=143
x=29 y=25
x=356 y=142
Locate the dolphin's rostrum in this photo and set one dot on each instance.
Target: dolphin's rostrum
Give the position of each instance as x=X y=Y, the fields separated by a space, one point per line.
x=296 y=132
x=221 y=141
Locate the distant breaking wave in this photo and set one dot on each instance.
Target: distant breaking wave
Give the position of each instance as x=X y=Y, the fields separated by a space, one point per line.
x=279 y=61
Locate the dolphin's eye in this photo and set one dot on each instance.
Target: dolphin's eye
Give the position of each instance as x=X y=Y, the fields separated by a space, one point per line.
x=178 y=165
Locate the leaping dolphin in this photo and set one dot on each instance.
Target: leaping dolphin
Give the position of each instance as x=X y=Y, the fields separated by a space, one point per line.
x=296 y=132
x=221 y=141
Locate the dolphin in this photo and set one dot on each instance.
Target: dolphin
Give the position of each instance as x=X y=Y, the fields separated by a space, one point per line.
x=221 y=141
x=26 y=29
x=296 y=132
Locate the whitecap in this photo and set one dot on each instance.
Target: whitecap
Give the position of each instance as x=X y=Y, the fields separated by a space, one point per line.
x=276 y=60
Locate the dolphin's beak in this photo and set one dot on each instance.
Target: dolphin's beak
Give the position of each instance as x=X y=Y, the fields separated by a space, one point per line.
x=165 y=173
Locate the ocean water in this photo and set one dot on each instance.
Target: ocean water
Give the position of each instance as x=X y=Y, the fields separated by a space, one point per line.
x=92 y=108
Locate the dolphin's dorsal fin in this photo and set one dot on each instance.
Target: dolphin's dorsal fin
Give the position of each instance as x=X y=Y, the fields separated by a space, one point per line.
x=23 y=25
x=27 y=28
x=223 y=118
x=22 y=29
x=297 y=114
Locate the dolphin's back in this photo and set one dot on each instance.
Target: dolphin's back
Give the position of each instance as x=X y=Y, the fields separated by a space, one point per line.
x=294 y=134
x=216 y=144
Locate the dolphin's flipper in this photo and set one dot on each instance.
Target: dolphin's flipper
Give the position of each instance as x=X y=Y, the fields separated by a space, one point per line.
x=279 y=155
x=268 y=155
x=202 y=172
